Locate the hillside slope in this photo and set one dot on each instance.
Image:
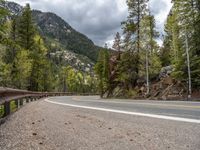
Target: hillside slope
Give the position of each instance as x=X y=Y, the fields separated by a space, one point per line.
x=61 y=39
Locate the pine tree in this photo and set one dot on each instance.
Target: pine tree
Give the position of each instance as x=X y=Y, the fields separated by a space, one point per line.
x=22 y=69
x=39 y=63
x=12 y=46
x=102 y=69
x=106 y=70
x=26 y=29
x=137 y=10
x=117 y=44
x=3 y=14
x=99 y=67
x=150 y=61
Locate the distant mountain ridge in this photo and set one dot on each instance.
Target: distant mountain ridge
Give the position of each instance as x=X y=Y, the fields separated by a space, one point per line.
x=57 y=33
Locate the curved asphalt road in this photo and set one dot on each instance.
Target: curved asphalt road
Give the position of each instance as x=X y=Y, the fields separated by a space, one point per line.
x=90 y=123
x=168 y=110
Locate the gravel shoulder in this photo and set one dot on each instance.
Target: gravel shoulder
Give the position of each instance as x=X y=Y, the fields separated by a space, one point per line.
x=44 y=126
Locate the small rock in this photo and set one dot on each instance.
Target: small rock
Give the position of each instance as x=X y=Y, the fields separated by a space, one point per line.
x=40 y=143
x=109 y=128
x=33 y=122
x=34 y=134
x=131 y=140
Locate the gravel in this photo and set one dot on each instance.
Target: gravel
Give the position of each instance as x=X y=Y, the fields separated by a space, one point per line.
x=44 y=126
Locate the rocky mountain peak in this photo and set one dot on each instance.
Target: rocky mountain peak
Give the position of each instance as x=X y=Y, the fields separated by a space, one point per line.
x=13 y=7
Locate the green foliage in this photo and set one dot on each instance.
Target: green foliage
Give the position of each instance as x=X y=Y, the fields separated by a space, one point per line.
x=25 y=60
x=126 y=70
x=22 y=69
x=5 y=79
x=103 y=71
x=13 y=106
x=182 y=23
x=140 y=49
x=149 y=48
x=3 y=13
x=26 y=29
x=39 y=64
x=72 y=80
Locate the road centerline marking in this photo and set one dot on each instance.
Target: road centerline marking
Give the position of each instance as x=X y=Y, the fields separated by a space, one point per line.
x=129 y=113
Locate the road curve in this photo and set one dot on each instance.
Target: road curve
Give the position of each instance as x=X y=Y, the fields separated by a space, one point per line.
x=171 y=110
x=84 y=123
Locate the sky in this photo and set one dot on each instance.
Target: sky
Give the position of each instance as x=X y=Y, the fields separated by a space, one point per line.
x=100 y=20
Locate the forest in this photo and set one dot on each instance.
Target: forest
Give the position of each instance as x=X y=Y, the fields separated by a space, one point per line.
x=25 y=61
x=136 y=66
x=142 y=68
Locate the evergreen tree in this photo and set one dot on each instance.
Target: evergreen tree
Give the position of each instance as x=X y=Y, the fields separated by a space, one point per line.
x=106 y=70
x=3 y=14
x=26 y=29
x=99 y=67
x=186 y=26
x=12 y=46
x=137 y=10
x=39 y=64
x=63 y=77
x=150 y=61
x=22 y=69
x=117 y=44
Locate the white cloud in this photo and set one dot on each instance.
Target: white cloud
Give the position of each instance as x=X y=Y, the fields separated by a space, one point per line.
x=160 y=8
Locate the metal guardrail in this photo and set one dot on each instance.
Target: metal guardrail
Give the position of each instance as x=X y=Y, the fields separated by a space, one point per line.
x=21 y=97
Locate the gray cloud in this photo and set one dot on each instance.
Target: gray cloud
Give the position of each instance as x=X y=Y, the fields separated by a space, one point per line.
x=98 y=19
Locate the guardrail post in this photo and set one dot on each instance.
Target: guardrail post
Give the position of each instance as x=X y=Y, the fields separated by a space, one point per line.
x=6 y=108
x=27 y=100
x=17 y=103
x=21 y=102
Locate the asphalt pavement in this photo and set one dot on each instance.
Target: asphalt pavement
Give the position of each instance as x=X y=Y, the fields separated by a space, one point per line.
x=165 y=109
x=90 y=123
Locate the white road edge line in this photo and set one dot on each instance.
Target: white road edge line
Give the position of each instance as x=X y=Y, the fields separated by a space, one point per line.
x=129 y=113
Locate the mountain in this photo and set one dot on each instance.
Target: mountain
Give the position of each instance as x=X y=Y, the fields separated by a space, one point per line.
x=60 y=38
x=55 y=28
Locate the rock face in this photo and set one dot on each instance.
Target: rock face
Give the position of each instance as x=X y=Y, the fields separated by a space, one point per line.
x=60 y=37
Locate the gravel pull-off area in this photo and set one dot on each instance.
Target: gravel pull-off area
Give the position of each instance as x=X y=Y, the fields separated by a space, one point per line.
x=44 y=126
